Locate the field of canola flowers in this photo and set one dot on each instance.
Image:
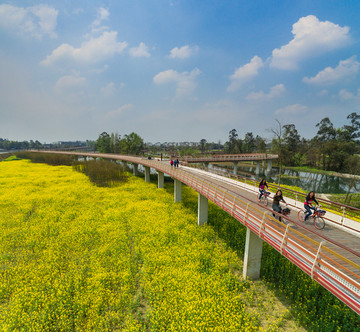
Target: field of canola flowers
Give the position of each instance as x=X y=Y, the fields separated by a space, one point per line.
x=76 y=257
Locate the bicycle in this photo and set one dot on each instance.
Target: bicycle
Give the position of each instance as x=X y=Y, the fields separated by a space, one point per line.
x=317 y=215
x=264 y=197
x=284 y=212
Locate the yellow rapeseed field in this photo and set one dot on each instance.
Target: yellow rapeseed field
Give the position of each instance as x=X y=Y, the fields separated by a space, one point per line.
x=76 y=257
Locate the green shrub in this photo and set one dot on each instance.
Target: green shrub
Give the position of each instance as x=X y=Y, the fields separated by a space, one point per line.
x=103 y=173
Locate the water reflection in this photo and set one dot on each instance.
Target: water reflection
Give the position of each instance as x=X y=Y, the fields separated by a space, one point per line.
x=307 y=181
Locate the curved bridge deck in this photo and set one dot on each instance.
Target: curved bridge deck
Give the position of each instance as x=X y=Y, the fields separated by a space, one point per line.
x=231 y=158
x=330 y=256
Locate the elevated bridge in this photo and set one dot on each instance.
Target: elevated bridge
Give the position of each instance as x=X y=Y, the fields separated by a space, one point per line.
x=330 y=256
x=235 y=159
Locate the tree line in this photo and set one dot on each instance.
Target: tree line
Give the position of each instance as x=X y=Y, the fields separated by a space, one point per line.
x=114 y=143
x=331 y=149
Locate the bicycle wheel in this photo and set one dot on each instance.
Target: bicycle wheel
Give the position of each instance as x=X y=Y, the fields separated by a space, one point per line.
x=301 y=215
x=319 y=222
x=266 y=200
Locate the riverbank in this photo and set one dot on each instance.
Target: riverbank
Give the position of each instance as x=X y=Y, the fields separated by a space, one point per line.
x=330 y=173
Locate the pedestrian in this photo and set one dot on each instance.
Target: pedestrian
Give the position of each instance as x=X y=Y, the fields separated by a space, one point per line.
x=171 y=162
x=177 y=162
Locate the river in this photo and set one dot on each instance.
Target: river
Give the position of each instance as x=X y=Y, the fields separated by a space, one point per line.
x=320 y=183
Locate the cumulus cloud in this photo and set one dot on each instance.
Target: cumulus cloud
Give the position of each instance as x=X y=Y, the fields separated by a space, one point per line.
x=91 y=51
x=119 y=111
x=245 y=73
x=345 y=69
x=183 y=52
x=295 y=109
x=69 y=82
x=311 y=38
x=102 y=15
x=140 y=51
x=275 y=91
x=35 y=21
x=185 y=82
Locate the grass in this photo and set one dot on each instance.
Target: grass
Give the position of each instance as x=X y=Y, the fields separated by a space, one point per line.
x=47 y=158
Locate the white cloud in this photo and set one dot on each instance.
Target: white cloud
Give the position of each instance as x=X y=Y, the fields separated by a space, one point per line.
x=108 y=90
x=185 y=81
x=119 y=111
x=295 y=109
x=91 y=51
x=35 y=21
x=275 y=91
x=245 y=73
x=102 y=14
x=183 y=52
x=322 y=93
x=311 y=38
x=346 y=95
x=345 y=69
x=140 y=51
x=69 y=82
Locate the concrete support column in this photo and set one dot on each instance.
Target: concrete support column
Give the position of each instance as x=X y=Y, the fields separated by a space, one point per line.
x=203 y=205
x=147 y=173
x=177 y=191
x=269 y=167
x=257 y=170
x=135 y=169
x=160 y=179
x=252 y=256
x=235 y=167
x=85 y=157
x=206 y=164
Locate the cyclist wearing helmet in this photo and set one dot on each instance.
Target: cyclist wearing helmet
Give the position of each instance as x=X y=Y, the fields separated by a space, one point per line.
x=308 y=204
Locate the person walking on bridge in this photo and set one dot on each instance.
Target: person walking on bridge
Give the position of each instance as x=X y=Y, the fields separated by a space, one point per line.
x=262 y=186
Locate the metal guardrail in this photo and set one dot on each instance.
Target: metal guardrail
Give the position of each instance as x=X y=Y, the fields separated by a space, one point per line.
x=344 y=211
x=318 y=256
x=314 y=256
x=231 y=157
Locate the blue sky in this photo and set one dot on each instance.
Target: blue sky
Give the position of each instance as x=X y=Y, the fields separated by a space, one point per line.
x=176 y=70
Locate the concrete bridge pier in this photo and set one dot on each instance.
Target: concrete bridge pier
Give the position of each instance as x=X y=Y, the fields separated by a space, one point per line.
x=252 y=256
x=206 y=164
x=203 y=204
x=235 y=167
x=269 y=168
x=135 y=169
x=177 y=191
x=257 y=170
x=160 y=179
x=85 y=158
x=147 y=173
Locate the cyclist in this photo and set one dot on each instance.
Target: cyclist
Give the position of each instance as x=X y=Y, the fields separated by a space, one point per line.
x=308 y=204
x=262 y=186
x=276 y=202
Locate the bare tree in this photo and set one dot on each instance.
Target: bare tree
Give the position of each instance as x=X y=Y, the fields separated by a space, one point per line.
x=278 y=145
